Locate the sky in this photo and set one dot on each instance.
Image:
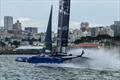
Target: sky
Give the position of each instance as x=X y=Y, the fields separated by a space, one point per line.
x=35 y=13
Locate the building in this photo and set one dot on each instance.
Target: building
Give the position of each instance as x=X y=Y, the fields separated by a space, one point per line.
x=74 y=35
x=84 y=26
x=42 y=36
x=17 y=27
x=1 y=32
x=8 y=23
x=1 y=28
x=106 y=31
x=26 y=35
x=117 y=23
x=93 y=32
x=116 y=28
x=102 y=30
x=32 y=30
x=17 y=30
x=86 y=33
x=4 y=34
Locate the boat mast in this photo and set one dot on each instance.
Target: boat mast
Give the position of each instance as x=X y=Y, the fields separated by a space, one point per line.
x=48 y=37
x=63 y=26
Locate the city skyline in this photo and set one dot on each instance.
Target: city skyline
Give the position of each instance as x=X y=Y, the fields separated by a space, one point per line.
x=32 y=13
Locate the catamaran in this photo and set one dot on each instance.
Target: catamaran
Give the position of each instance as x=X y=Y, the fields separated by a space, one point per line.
x=60 y=56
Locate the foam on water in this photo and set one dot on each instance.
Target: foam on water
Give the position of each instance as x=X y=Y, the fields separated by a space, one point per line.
x=100 y=58
x=64 y=65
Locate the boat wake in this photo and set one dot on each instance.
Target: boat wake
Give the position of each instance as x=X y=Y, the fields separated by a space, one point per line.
x=63 y=65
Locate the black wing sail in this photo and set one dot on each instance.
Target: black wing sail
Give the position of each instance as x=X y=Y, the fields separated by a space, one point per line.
x=63 y=25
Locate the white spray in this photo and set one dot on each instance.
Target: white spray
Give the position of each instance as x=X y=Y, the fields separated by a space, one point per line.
x=100 y=58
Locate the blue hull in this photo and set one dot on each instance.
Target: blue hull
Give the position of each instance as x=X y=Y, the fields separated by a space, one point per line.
x=40 y=59
x=48 y=58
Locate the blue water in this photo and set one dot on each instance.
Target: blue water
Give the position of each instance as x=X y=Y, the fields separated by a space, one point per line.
x=96 y=65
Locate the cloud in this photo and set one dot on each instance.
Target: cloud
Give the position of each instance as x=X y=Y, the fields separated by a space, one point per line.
x=74 y=25
x=95 y=25
x=23 y=19
x=98 y=25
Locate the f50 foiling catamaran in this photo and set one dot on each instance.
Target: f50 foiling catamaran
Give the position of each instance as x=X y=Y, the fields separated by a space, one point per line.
x=61 y=55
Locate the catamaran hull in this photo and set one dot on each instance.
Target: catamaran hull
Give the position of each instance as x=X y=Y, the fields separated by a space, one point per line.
x=51 y=59
x=36 y=59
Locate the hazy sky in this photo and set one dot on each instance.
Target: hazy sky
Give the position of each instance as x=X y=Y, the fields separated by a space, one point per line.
x=35 y=13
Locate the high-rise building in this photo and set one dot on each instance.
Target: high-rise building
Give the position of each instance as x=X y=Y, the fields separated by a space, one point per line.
x=84 y=26
x=116 y=28
x=17 y=27
x=117 y=23
x=17 y=30
x=32 y=30
x=8 y=23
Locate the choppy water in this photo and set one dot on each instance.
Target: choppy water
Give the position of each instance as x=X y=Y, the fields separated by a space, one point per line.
x=96 y=65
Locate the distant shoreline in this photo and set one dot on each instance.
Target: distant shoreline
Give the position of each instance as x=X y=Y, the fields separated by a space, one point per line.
x=36 y=52
x=18 y=53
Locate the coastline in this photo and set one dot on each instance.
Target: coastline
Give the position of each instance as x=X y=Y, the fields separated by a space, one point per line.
x=18 y=52
x=37 y=52
x=12 y=51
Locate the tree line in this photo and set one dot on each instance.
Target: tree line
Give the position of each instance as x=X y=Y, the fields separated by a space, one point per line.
x=98 y=38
